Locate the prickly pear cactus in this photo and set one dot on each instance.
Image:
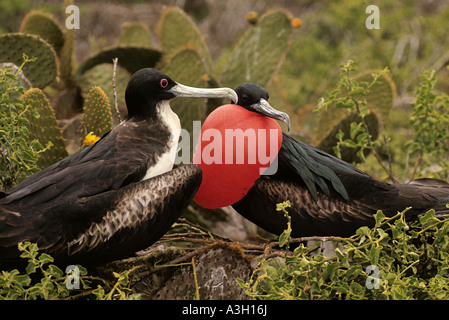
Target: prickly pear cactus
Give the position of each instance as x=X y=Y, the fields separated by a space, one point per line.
x=66 y=54
x=41 y=72
x=101 y=75
x=134 y=33
x=66 y=57
x=42 y=24
x=380 y=102
x=178 y=31
x=45 y=128
x=189 y=69
x=259 y=52
x=350 y=154
x=381 y=95
x=132 y=58
x=97 y=112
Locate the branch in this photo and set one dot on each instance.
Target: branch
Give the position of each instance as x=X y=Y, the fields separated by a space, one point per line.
x=115 y=61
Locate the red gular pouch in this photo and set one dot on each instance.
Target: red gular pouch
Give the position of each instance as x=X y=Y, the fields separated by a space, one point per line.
x=235 y=147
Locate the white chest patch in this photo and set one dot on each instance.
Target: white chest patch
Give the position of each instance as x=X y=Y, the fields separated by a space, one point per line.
x=166 y=160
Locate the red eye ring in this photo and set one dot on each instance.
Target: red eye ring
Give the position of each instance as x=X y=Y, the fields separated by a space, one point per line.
x=164 y=83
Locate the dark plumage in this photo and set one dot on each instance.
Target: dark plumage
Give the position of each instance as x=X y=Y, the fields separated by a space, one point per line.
x=115 y=197
x=329 y=197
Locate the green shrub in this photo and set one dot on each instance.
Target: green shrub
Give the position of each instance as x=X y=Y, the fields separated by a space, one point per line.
x=364 y=120
x=396 y=259
x=43 y=280
x=19 y=155
x=359 y=125
x=430 y=123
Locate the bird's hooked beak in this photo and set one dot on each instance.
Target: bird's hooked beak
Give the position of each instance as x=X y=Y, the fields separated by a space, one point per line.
x=180 y=90
x=264 y=108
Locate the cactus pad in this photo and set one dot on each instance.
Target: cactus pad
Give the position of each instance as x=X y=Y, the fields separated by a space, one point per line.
x=178 y=31
x=379 y=99
x=97 y=112
x=41 y=72
x=189 y=69
x=135 y=33
x=41 y=24
x=381 y=95
x=66 y=56
x=259 y=52
x=132 y=58
x=45 y=128
x=101 y=75
x=350 y=154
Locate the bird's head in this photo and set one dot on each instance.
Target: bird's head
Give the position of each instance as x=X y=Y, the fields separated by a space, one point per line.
x=254 y=98
x=148 y=87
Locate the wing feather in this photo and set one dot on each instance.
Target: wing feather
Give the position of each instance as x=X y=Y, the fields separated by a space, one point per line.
x=118 y=159
x=314 y=167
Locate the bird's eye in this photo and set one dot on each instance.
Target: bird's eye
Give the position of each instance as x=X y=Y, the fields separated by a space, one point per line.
x=164 y=83
x=245 y=97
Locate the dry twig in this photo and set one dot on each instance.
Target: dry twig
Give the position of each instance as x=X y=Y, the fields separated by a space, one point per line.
x=115 y=61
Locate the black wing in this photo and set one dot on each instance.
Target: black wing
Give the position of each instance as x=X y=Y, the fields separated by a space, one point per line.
x=334 y=216
x=119 y=158
x=120 y=222
x=316 y=168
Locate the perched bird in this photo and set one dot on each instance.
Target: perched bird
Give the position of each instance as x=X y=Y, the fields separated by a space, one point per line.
x=115 y=197
x=328 y=196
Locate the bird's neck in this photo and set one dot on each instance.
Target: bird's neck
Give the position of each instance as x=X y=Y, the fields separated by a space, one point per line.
x=170 y=119
x=159 y=113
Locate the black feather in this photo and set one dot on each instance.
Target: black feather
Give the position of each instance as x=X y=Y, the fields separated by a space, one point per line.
x=312 y=167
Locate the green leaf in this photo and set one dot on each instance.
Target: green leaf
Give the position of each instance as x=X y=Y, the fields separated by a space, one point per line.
x=285 y=236
x=31 y=267
x=353 y=272
x=379 y=217
x=45 y=258
x=360 y=91
x=430 y=215
x=374 y=254
x=23 y=280
x=363 y=231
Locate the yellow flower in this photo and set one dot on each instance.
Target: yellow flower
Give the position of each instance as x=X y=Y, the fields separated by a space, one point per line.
x=296 y=23
x=90 y=139
x=252 y=17
x=205 y=77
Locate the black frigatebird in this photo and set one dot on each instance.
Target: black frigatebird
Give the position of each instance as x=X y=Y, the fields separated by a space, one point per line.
x=115 y=197
x=328 y=196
